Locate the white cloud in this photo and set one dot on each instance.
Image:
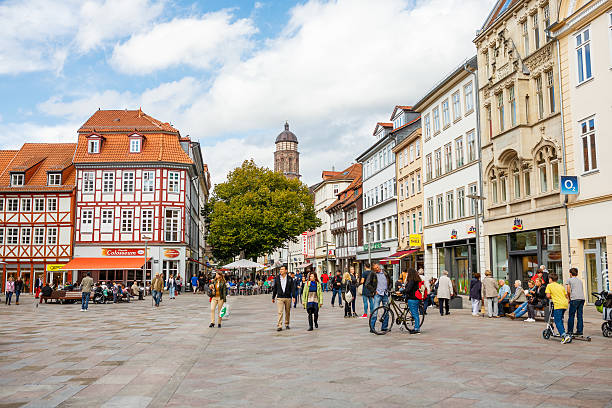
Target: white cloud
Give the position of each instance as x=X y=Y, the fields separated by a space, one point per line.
x=13 y=135
x=197 y=42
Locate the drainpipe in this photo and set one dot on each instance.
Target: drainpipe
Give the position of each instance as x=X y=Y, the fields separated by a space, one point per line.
x=479 y=203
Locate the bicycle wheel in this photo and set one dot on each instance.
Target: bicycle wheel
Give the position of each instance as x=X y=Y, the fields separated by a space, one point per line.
x=382 y=314
x=421 y=313
x=408 y=319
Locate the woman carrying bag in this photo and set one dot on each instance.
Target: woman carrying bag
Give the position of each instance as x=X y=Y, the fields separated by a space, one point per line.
x=349 y=293
x=312 y=299
x=218 y=294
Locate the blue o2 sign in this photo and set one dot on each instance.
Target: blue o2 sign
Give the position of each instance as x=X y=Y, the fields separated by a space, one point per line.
x=569 y=185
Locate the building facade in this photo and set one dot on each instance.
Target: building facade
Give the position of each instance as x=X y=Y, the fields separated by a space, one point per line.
x=136 y=186
x=286 y=156
x=379 y=214
x=584 y=33
x=409 y=178
x=522 y=143
x=37 y=213
x=450 y=149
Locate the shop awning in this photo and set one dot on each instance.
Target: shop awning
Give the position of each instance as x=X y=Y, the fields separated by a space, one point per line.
x=106 y=263
x=396 y=257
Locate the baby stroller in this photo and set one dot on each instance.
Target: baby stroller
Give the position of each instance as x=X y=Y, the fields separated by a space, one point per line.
x=604 y=305
x=551 y=328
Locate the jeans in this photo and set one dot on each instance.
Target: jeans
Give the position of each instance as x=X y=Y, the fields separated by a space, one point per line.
x=413 y=305
x=339 y=293
x=475 y=306
x=85 y=300
x=575 y=308
x=172 y=290
x=9 y=296
x=558 y=315
x=378 y=299
x=501 y=306
x=324 y=286
x=491 y=306
x=313 y=312
x=444 y=305
x=367 y=300
x=521 y=310
x=17 y=293
x=429 y=300
x=156 y=296
x=296 y=295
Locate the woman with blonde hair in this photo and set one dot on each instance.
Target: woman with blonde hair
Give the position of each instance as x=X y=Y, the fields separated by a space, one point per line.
x=218 y=294
x=349 y=281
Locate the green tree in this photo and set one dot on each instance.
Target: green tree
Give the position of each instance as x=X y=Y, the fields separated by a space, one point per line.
x=256 y=211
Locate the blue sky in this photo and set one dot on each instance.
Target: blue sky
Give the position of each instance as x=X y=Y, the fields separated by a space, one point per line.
x=229 y=73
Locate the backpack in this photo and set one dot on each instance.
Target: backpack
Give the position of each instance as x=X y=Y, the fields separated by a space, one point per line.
x=421 y=292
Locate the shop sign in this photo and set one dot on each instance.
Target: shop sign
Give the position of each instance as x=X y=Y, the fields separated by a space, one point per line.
x=171 y=253
x=54 y=267
x=471 y=230
x=415 y=240
x=123 y=252
x=376 y=245
x=304 y=241
x=518 y=225
x=569 y=185
x=453 y=234
x=331 y=252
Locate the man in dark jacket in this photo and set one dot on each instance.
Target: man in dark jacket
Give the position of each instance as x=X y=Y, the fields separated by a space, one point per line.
x=337 y=288
x=380 y=284
x=18 y=289
x=282 y=292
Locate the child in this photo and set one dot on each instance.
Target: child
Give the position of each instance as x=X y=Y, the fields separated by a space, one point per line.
x=558 y=295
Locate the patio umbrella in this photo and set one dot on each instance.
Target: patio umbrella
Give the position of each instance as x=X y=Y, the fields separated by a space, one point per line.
x=243 y=263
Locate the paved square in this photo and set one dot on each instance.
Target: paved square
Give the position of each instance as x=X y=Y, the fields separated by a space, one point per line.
x=132 y=355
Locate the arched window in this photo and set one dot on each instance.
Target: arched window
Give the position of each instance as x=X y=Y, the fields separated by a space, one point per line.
x=547 y=164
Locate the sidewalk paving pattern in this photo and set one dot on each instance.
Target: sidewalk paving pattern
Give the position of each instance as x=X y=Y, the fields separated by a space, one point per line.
x=133 y=355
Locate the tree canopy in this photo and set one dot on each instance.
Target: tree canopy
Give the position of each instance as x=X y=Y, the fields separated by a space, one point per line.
x=256 y=211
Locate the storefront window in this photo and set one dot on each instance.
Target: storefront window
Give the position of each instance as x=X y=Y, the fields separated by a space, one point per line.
x=551 y=250
x=500 y=256
x=441 y=261
x=461 y=269
x=524 y=241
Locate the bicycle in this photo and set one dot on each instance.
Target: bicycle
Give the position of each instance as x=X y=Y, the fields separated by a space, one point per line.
x=396 y=311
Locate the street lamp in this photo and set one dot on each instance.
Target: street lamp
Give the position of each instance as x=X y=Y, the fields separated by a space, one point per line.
x=476 y=203
x=146 y=239
x=368 y=231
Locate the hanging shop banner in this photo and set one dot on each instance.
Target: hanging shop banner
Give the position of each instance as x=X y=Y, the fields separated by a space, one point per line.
x=123 y=252
x=54 y=267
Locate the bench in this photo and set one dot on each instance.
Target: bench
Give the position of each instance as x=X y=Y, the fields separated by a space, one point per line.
x=62 y=296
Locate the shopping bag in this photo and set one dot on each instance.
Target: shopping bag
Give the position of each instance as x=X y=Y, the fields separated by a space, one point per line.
x=225 y=311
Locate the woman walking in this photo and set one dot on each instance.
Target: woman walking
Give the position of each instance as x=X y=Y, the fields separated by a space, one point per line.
x=476 y=294
x=312 y=299
x=413 y=285
x=171 y=285
x=218 y=294
x=349 y=281
x=10 y=288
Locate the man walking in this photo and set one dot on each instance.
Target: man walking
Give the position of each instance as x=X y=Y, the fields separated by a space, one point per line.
x=445 y=292
x=38 y=285
x=366 y=295
x=18 y=289
x=324 y=280
x=296 y=288
x=380 y=284
x=86 y=285
x=282 y=292
x=489 y=293
x=194 y=283
x=337 y=288
x=156 y=288
x=575 y=292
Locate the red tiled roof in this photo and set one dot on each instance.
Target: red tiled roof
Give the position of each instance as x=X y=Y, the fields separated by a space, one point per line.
x=348 y=193
x=124 y=120
x=406 y=124
x=37 y=159
x=381 y=124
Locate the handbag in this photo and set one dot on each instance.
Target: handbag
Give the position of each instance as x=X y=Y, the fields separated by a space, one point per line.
x=360 y=290
x=348 y=296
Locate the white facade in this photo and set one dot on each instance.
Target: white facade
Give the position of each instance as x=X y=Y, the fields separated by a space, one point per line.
x=451 y=172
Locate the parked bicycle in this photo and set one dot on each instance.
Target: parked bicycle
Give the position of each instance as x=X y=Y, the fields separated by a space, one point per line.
x=396 y=311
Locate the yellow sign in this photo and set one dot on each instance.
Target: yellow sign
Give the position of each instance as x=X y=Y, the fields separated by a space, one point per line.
x=55 y=267
x=415 y=240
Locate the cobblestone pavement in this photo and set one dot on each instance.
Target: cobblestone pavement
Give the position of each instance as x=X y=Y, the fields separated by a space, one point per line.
x=132 y=355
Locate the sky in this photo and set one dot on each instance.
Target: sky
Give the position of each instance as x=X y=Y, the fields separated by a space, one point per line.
x=229 y=73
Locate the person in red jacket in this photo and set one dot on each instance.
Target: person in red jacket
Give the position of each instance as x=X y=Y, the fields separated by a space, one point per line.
x=324 y=280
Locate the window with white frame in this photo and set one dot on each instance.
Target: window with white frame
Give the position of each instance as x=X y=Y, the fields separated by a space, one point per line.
x=26 y=236
x=421 y=221
x=87 y=217
x=146 y=221
x=1 y=204
x=500 y=111
x=440 y=209
x=39 y=236
x=473 y=191
x=436 y=120
x=536 y=30
x=174 y=182
x=525 y=39
x=17 y=179
x=550 y=85
x=135 y=145
x=589 y=146
x=430 y=211
x=412 y=185
x=411 y=153
x=438 y=162
x=12 y=236
x=471 y=146
x=512 y=100
x=417 y=148
x=52 y=236
x=39 y=204
x=88 y=182
x=401 y=159
x=128 y=181
x=127 y=220
x=546 y=12
x=93 y=146
x=108 y=182
x=448 y=157
x=54 y=179
x=428 y=167
x=1 y=236
x=418 y=178
x=468 y=92
x=445 y=113
x=52 y=204
x=12 y=204
x=540 y=97
x=456 y=106
x=26 y=204
x=427 y=126
x=460 y=203
x=503 y=188
x=459 y=151
x=583 y=55
x=107 y=217
x=172 y=229
x=148 y=181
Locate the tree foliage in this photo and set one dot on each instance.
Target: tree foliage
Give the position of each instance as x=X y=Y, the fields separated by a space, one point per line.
x=256 y=211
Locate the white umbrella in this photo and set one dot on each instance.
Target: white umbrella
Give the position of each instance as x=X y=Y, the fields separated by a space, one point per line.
x=243 y=263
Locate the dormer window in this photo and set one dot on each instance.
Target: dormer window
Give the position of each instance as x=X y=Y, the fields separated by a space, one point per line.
x=135 y=143
x=93 y=146
x=54 y=179
x=17 y=179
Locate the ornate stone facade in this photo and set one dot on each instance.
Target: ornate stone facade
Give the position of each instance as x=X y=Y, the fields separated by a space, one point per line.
x=286 y=156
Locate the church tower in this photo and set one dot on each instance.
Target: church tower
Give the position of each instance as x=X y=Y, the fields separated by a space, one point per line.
x=286 y=156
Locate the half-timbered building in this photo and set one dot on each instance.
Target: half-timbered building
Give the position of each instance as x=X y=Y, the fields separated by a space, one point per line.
x=36 y=212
